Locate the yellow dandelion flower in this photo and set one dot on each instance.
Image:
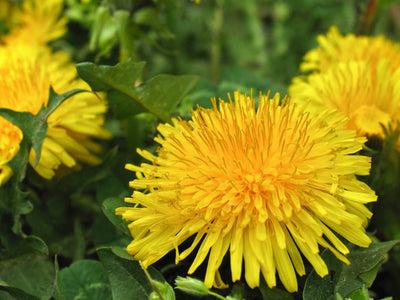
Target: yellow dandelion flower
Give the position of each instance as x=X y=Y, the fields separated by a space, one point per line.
x=262 y=183
x=334 y=48
x=36 y=22
x=368 y=96
x=26 y=74
x=10 y=138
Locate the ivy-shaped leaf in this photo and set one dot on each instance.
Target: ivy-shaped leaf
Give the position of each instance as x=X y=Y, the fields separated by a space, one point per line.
x=160 y=95
x=34 y=127
x=127 y=279
x=84 y=279
x=343 y=279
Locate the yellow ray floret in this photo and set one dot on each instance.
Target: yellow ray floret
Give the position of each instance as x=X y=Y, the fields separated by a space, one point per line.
x=334 y=48
x=26 y=74
x=267 y=184
x=10 y=138
x=35 y=22
x=368 y=96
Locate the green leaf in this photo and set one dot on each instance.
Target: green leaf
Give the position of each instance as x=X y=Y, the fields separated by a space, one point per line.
x=6 y=296
x=360 y=294
x=121 y=252
x=163 y=93
x=15 y=294
x=126 y=277
x=108 y=207
x=120 y=77
x=84 y=279
x=22 y=259
x=18 y=272
x=34 y=127
x=122 y=105
x=362 y=260
x=160 y=95
x=274 y=293
x=343 y=279
x=164 y=289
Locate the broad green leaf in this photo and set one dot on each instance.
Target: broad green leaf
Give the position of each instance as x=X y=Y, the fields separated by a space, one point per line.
x=120 y=77
x=274 y=293
x=344 y=279
x=21 y=260
x=237 y=292
x=118 y=81
x=159 y=95
x=164 y=289
x=11 y=293
x=362 y=260
x=126 y=277
x=162 y=93
x=34 y=127
x=122 y=105
x=121 y=252
x=6 y=296
x=31 y=273
x=360 y=294
x=108 y=207
x=84 y=279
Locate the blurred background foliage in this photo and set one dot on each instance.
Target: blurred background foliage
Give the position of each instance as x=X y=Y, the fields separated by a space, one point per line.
x=228 y=45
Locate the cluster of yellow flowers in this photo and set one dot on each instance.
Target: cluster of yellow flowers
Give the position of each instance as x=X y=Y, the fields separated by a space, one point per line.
x=28 y=68
x=267 y=180
x=356 y=75
x=272 y=182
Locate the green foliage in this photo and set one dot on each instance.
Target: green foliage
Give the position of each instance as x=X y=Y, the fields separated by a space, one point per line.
x=159 y=95
x=275 y=293
x=62 y=239
x=34 y=128
x=26 y=259
x=127 y=279
x=84 y=279
x=345 y=280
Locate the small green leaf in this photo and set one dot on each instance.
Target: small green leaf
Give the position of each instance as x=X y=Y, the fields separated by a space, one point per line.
x=164 y=289
x=360 y=294
x=126 y=277
x=108 y=207
x=362 y=260
x=162 y=93
x=17 y=272
x=34 y=127
x=343 y=279
x=159 y=95
x=274 y=293
x=84 y=279
x=120 y=77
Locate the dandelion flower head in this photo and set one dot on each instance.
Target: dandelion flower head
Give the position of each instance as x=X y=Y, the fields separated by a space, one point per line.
x=26 y=74
x=356 y=75
x=35 y=22
x=334 y=48
x=265 y=183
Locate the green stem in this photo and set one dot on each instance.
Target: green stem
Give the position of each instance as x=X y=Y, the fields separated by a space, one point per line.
x=216 y=32
x=218 y=296
x=368 y=17
x=155 y=289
